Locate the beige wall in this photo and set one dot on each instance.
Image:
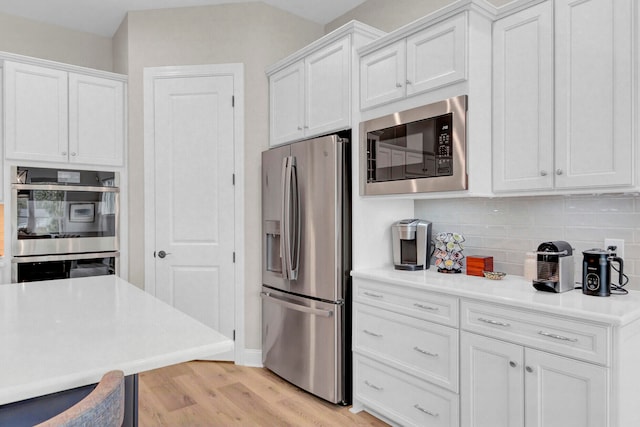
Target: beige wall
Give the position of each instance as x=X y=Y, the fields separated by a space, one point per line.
x=388 y=15
x=40 y=40
x=121 y=48
x=251 y=33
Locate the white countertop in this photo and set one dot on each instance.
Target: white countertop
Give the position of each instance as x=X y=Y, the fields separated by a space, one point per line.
x=516 y=291
x=60 y=334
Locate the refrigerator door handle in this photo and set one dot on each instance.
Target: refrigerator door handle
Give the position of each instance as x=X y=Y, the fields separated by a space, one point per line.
x=294 y=306
x=284 y=220
x=290 y=241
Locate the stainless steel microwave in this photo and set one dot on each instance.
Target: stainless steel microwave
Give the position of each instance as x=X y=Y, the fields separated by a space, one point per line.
x=415 y=151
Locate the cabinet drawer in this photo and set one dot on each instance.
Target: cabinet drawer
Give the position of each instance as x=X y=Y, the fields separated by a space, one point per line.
x=412 y=302
x=402 y=398
x=424 y=349
x=561 y=335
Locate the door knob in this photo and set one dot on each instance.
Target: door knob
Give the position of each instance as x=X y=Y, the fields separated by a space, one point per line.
x=162 y=254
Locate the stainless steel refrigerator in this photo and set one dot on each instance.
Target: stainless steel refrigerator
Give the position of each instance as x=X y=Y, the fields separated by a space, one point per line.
x=306 y=260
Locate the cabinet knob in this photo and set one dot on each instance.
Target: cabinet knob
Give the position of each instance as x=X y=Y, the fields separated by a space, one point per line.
x=558 y=171
x=543 y=173
x=306 y=126
x=398 y=84
x=529 y=369
x=299 y=127
x=64 y=153
x=408 y=82
x=73 y=154
x=513 y=364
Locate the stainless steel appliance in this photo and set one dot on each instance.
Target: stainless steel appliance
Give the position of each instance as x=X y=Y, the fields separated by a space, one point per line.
x=61 y=219
x=596 y=273
x=555 y=267
x=411 y=244
x=306 y=250
x=415 y=151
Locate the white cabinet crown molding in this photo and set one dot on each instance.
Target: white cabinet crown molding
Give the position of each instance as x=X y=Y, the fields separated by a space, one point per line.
x=351 y=27
x=481 y=6
x=7 y=56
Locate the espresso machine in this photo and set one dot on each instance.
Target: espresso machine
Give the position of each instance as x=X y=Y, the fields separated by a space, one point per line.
x=411 y=244
x=554 y=267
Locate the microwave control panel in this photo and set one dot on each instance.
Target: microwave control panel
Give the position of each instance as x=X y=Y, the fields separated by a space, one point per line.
x=444 y=161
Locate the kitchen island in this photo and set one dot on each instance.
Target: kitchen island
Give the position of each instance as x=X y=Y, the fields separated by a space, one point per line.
x=59 y=337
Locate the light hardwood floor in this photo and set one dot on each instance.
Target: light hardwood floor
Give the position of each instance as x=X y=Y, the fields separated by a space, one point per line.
x=223 y=394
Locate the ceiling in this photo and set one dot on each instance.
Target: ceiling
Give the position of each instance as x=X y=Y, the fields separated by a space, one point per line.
x=103 y=17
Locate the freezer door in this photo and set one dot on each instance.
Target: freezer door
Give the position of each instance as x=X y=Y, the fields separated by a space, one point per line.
x=323 y=198
x=302 y=343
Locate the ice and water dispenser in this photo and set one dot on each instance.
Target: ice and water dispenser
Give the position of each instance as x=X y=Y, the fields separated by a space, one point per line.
x=411 y=244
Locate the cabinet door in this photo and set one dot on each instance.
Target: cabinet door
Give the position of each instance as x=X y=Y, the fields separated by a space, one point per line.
x=35 y=104
x=328 y=89
x=437 y=56
x=286 y=104
x=96 y=120
x=492 y=383
x=594 y=100
x=564 y=392
x=383 y=75
x=523 y=100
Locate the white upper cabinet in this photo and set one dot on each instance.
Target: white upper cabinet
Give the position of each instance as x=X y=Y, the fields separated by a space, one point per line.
x=312 y=96
x=382 y=74
x=54 y=115
x=35 y=104
x=310 y=92
x=523 y=114
x=562 y=98
x=437 y=55
x=287 y=104
x=594 y=100
x=328 y=88
x=96 y=120
x=424 y=60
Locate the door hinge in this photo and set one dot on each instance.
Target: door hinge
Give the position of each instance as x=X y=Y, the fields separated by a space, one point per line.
x=234 y=257
x=233 y=101
x=233 y=179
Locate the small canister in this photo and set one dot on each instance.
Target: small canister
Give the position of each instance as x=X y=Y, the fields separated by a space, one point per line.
x=530 y=267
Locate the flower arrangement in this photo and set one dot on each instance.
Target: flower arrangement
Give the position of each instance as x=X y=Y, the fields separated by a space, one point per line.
x=448 y=252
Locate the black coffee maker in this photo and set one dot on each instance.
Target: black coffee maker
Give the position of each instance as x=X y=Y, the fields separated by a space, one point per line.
x=596 y=272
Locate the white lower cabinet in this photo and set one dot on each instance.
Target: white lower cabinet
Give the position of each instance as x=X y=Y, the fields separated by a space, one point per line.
x=506 y=384
x=402 y=398
x=405 y=364
x=433 y=352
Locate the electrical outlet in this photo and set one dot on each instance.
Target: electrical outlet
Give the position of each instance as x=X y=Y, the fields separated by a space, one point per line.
x=618 y=243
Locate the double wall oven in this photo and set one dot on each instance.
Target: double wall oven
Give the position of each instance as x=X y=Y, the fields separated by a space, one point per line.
x=64 y=223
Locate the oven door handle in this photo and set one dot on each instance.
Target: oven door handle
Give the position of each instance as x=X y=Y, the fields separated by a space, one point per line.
x=65 y=257
x=54 y=187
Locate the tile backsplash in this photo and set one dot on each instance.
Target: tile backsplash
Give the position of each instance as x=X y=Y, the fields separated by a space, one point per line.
x=507 y=228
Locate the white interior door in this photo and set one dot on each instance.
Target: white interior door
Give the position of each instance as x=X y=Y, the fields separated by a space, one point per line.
x=193 y=128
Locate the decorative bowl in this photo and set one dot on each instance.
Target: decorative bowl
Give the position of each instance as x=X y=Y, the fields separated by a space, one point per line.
x=494 y=275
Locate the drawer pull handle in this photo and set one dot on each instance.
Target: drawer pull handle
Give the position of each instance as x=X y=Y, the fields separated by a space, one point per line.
x=425 y=307
x=494 y=322
x=428 y=353
x=372 y=295
x=557 y=337
x=373 y=334
x=426 y=411
x=373 y=386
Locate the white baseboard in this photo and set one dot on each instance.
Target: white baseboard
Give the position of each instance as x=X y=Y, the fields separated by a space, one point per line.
x=252 y=358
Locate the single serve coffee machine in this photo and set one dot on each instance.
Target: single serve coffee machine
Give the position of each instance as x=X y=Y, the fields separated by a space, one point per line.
x=411 y=244
x=555 y=267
